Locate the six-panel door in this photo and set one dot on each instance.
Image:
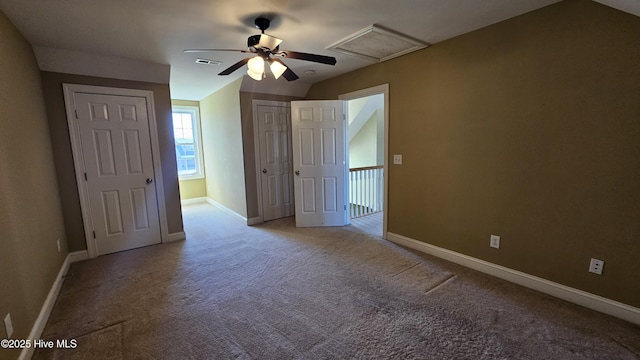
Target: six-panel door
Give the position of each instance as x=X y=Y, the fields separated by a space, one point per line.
x=116 y=147
x=274 y=131
x=319 y=163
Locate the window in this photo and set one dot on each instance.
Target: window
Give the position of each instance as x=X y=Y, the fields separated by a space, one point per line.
x=187 y=140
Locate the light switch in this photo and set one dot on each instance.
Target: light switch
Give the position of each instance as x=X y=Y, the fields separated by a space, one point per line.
x=397 y=159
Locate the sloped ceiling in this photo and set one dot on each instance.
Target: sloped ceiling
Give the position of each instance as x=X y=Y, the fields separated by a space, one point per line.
x=157 y=31
x=630 y=6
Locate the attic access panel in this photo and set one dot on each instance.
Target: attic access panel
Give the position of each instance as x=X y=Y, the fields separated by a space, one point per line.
x=377 y=43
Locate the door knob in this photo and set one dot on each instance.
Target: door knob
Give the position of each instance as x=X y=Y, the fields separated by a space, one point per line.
x=298 y=172
x=149 y=181
x=264 y=171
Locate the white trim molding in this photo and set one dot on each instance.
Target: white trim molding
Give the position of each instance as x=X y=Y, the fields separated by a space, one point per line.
x=194 y=112
x=47 y=306
x=583 y=298
x=191 y=201
x=77 y=256
x=177 y=236
x=226 y=209
x=254 y=221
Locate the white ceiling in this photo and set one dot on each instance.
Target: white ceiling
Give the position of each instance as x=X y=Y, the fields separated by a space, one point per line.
x=157 y=31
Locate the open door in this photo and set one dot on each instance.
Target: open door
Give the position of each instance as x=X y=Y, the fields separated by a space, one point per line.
x=319 y=163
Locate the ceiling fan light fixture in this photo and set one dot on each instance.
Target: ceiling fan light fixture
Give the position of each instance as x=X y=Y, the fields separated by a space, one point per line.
x=256 y=68
x=256 y=64
x=254 y=75
x=263 y=47
x=277 y=69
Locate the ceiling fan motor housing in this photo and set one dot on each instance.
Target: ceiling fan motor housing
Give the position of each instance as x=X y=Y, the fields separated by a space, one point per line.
x=253 y=40
x=262 y=23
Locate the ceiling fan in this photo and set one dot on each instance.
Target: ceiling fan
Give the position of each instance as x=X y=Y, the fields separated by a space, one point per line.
x=264 y=47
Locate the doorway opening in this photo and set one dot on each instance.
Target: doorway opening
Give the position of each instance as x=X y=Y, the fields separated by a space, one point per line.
x=274 y=164
x=187 y=131
x=367 y=128
x=368 y=160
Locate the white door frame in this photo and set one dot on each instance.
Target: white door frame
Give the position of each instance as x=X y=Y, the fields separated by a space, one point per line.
x=78 y=162
x=380 y=89
x=256 y=144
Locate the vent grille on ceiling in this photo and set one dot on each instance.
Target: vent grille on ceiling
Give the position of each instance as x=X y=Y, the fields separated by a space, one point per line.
x=377 y=43
x=208 y=62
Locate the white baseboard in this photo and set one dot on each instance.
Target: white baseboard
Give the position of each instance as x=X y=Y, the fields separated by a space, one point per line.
x=178 y=236
x=583 y=298
x=226 y=209
x=193 y=201
x=78 y=256
x=254 y=221
x=45 y=311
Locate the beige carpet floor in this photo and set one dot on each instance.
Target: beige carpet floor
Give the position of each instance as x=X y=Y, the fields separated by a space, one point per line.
x=274 y=291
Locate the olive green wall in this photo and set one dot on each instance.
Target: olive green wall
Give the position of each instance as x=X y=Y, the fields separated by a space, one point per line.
x=528 y=129
x=54 y=99
x=191 y=188
x=248 y=145
x=222 y=146
x=30 y=210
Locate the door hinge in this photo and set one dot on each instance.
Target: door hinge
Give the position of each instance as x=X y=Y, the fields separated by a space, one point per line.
x=345 y=207
x=76 y=111
x=85 y=177
x=94 y=234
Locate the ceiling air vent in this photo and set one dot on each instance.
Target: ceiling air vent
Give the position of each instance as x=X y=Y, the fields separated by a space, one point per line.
x=378 y=44
x=208 y=62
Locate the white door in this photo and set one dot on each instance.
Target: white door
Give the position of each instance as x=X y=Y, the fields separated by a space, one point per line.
x=319 y=163
x=116 y=150
x=276 y=164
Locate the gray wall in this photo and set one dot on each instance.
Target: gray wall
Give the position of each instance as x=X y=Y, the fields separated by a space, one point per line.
x=54 y=98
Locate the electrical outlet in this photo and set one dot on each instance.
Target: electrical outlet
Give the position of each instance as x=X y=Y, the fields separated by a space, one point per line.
x=596 y=266
x=8 y=325
x=397 y=159
x=58 y=242
x=495 y=241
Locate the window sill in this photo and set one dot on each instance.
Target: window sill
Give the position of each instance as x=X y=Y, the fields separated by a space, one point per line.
x=193 y=177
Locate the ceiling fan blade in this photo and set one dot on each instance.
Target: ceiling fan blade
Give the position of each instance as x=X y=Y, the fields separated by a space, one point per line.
x=235 y=66
x=287 y=74
x=329 y=60
x=210 y=50
x=290 y=75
